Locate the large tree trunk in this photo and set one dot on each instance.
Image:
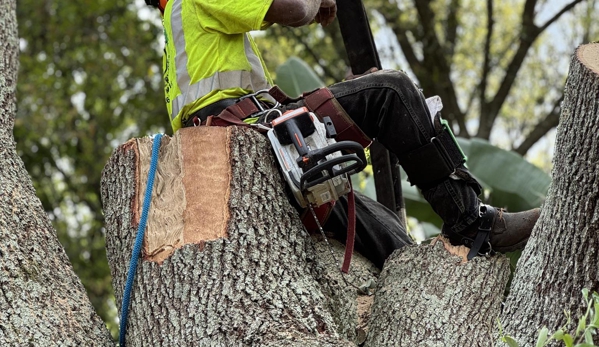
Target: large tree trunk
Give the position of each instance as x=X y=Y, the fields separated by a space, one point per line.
x=429 y=297
x=243 y=279
x=562 y=257
x=42 y=301
x=252 y=276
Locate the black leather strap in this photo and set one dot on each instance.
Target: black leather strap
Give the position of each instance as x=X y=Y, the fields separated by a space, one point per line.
x=210 y=110
x=433 y=162
x=481 y=241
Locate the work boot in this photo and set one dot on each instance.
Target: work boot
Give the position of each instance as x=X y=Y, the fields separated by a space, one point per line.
x=496 y=231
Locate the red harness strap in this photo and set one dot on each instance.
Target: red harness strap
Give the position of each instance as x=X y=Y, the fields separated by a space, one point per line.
x=351 y=230
x=323 y=212
x=323 y=103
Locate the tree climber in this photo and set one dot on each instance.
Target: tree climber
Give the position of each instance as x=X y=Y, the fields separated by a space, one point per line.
x=211 y=61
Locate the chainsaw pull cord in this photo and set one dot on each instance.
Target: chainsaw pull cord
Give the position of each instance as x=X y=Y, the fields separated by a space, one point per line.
x=351 y=228
x=139 y=239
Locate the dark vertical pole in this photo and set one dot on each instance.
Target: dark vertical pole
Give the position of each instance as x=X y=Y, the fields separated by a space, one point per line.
x=362 y=55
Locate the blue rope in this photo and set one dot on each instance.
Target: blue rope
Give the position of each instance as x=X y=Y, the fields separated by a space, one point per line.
x=139 y=239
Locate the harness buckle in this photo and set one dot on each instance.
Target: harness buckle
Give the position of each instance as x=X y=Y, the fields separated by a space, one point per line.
x=262 y=106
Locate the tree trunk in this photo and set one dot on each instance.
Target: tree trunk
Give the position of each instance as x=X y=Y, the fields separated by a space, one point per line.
x=562 y=257
x=251 y=276
x=247 y=278
x=42 y=301
x=428 y=297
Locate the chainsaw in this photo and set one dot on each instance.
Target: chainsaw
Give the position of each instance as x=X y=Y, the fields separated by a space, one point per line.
x=315 y=166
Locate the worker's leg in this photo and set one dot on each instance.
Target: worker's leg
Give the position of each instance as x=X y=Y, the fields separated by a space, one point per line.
x=378 y=230
x=386 y=105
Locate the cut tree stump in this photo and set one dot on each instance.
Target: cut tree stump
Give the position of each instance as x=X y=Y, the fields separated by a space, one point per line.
x=428 y=296
x=227 y=262
x=249 y=277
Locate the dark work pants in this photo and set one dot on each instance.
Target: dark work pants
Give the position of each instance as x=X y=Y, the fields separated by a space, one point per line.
x=388 y=107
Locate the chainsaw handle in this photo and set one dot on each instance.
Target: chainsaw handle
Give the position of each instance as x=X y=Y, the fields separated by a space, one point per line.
x=296 y=137
x=358 y=158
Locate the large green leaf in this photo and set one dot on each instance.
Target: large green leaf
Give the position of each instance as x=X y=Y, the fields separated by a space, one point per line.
x=295 y=77
x=513 y=182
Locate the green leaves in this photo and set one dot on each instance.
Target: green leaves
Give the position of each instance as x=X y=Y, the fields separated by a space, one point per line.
x=510 y=341
x=543 y=334
x=510 y=180
x=295 y=77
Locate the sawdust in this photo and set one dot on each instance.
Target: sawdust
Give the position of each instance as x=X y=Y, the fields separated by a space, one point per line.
x=460 y=251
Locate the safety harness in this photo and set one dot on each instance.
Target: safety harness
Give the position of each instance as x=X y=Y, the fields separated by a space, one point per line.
x=319 y=165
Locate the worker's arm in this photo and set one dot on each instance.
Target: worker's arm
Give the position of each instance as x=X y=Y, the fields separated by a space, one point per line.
x=301 y=12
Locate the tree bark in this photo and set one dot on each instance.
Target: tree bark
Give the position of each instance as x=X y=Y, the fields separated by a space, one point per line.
x=427 y=296
x=42 y=302
x=562 y=256
x=259 y=283
x=262 y=281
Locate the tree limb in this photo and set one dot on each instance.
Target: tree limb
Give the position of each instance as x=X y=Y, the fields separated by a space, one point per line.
x=530 y=32
x=391 y=16
x=487 y=58
x=441 y=82
x=528 y=35
x=565 y=9
x=452 y=28
x=549 y=122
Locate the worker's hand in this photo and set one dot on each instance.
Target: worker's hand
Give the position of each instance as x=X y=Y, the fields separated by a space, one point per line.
x=327 y=12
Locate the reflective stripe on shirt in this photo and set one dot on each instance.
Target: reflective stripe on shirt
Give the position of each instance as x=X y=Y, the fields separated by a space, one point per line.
x=249 y=80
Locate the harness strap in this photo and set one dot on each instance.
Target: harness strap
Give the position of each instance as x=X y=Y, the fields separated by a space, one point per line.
x=279 y=95
x=351 y=229
x=443 y=157
x=240 y=110
x=233 y=114
x=487 y=216
x=323 y=212
x=478 y=243
x=323 y=103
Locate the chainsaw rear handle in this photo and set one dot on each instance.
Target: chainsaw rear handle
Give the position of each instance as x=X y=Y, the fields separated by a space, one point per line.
x=293 y=127
x=296 y=136
x=358 y=158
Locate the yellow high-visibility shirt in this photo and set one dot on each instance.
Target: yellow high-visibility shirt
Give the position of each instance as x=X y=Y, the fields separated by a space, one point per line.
x=209 y=53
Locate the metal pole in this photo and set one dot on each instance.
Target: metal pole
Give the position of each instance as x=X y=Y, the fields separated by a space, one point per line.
x=362 y=55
